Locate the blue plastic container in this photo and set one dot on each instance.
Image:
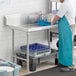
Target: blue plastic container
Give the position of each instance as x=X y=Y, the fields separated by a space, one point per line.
x=43 y=23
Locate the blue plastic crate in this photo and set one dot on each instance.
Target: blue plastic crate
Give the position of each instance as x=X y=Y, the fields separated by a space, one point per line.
x=36 y=50
x=35 y=47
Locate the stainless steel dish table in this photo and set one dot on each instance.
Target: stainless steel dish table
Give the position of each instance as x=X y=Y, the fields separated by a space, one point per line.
x=28 y=28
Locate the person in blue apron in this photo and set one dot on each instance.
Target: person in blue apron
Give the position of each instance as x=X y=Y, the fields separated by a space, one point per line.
x=66 y=28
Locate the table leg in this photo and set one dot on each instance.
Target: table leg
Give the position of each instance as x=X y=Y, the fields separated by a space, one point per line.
x=13 y=44
x=27 y=52
x=48 y=37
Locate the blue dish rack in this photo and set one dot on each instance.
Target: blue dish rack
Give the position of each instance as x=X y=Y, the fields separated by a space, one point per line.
x=36 y=50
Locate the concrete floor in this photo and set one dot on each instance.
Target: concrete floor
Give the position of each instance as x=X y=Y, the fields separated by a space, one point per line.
x=40 y=67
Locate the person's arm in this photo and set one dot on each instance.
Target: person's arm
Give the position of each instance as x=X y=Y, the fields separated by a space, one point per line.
x=56 y=18
x=61 y=12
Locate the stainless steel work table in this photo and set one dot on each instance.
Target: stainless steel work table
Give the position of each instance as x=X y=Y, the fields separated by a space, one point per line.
x=28 y=28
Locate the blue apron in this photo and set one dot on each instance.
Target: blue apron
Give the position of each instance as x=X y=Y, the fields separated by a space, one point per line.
x=65 y=42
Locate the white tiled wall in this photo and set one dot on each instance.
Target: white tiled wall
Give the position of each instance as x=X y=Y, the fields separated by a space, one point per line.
x=13 y=7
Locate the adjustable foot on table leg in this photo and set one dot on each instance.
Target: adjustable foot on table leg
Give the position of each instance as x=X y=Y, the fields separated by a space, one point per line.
x=56 y=61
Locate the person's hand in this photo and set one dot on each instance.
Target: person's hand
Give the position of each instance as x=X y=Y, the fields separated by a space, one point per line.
x=56 y=18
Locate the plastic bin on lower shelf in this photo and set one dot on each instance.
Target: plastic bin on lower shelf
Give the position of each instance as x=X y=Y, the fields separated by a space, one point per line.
x=6 y=67
x=33 y=62
x=36 y=50
x=38 y=53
